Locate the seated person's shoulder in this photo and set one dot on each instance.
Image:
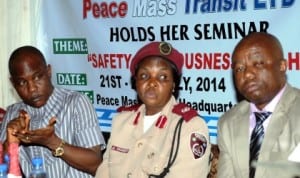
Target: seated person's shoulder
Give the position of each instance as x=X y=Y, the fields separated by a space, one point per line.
x=126 y=113
x=185 y=111
x=72 y=95
x=128 y=108
x=237 y=107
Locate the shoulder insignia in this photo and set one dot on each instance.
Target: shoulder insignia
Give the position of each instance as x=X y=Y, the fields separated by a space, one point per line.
x=129 y=108
x=185 y=111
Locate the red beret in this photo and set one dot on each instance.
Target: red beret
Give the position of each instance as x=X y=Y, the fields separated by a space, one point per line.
x=162 y=49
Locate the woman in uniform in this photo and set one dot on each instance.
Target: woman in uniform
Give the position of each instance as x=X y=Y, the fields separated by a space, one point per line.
x=158 y=137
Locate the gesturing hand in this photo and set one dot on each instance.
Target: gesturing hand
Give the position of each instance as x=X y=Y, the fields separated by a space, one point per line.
x=16 y=126
x=40 y=136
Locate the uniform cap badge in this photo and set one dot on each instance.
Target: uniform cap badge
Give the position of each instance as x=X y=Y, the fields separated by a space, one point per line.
x=165 y=48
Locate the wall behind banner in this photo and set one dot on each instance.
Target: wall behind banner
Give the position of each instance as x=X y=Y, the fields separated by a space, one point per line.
x=19 y=23
x=90 y=44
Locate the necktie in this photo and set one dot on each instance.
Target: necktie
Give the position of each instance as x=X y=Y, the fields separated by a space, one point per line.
x=256 y=139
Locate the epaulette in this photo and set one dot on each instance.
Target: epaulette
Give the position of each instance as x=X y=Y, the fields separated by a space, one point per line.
x=129 y=108
x=185 y=111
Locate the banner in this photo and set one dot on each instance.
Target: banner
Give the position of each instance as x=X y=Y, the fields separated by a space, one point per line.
x=90 y=44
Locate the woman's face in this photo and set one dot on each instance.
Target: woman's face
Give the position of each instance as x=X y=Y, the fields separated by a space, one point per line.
x=154 y=83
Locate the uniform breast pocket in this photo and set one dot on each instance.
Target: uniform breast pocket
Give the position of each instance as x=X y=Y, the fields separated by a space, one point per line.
x=116 y=160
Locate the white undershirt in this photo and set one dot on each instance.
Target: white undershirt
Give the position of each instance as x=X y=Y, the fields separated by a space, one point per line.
x=149 y=120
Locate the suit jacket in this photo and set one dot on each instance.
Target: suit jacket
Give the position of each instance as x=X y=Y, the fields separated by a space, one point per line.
x=133 y=153
x=281 y=138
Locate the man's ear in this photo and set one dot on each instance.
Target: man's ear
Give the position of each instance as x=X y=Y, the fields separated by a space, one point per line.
x=283 y=65
x=49 y=70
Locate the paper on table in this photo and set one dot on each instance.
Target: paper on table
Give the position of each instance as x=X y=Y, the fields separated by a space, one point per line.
x=295 y=155
x=291 y=169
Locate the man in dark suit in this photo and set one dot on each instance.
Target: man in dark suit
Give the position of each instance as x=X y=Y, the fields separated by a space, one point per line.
x=259 y=71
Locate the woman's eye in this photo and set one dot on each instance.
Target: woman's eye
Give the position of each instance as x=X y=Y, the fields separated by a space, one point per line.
x=143 y=76
x=162 y=77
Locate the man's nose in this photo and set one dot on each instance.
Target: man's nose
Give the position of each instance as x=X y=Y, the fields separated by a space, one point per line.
x=32 y=86
x=249 y=73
